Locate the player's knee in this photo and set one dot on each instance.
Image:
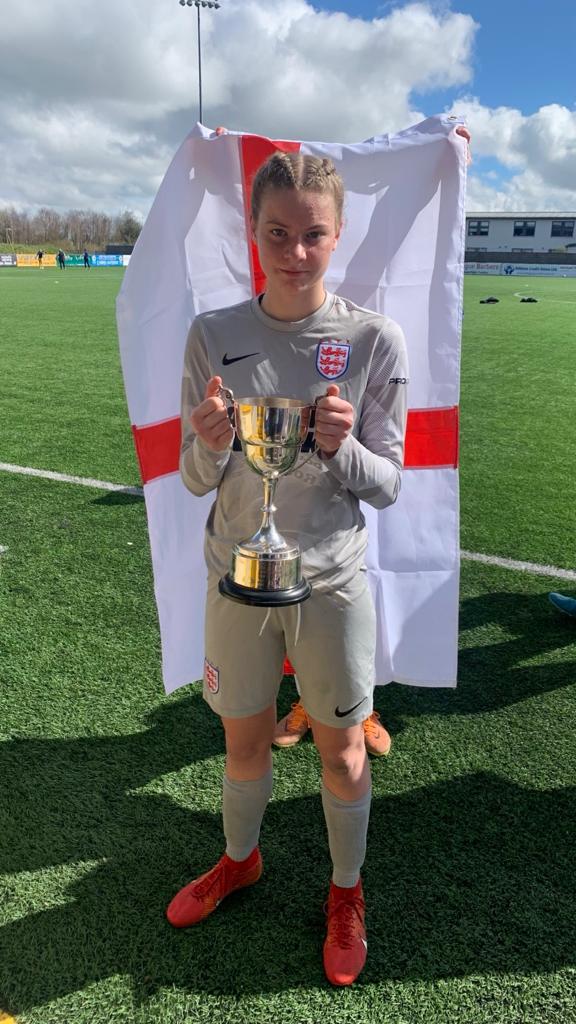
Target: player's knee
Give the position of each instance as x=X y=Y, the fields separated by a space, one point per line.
x=246 y=755
x=347 y=763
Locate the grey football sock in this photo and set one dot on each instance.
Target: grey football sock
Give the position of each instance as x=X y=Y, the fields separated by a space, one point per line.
x=243 y=806
x=347 y=824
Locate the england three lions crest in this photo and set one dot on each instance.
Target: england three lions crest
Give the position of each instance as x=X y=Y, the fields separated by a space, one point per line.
x=211 y=676
x=332 y=358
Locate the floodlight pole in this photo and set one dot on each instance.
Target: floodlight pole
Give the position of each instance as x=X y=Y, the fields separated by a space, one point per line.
x=211 y=4
x=199 y=68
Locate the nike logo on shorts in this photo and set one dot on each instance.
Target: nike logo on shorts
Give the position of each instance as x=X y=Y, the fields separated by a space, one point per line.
x=226 y=361
x=342 y=714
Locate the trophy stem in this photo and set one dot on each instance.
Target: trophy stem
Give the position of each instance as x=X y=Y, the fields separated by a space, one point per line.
x=267 y=537
x=268 y=507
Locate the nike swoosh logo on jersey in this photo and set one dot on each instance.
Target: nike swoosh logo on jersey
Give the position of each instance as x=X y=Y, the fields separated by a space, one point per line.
x=342 y=714
x=236 y=359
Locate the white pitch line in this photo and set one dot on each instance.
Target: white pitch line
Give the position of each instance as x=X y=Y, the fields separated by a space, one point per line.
x=47 y=474
x=104 y=485
x=510 y=563
x=565 y=302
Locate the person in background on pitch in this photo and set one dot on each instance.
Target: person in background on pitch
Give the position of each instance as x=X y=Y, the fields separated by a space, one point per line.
x=296 y=340
x=61 y=259
x=86 y=257
x=40 y=257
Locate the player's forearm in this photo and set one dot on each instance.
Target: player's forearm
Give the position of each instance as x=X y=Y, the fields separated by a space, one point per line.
x=201 y=468
x=372 y=478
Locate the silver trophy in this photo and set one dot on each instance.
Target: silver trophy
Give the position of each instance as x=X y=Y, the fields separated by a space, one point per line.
x=266 y=569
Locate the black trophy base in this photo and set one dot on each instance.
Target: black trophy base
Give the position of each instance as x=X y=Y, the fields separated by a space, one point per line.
x=264 y=598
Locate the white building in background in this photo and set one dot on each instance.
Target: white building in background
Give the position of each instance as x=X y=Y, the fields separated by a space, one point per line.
x=520 y=232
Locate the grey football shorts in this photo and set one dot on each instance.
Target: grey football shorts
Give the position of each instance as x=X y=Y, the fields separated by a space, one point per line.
x=331 y=644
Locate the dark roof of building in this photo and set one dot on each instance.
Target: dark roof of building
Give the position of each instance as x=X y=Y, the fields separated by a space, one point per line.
x=509 y=215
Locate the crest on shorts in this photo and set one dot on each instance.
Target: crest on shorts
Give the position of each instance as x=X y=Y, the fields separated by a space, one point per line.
x=332 y=358
x=211 y=676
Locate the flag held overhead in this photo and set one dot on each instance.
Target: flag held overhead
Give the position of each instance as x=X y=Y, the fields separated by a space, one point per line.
x=401 y=255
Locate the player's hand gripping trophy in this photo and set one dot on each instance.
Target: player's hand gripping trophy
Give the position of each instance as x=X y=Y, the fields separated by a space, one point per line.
x=266 y=569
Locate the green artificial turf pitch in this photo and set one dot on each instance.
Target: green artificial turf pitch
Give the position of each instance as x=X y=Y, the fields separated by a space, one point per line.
x=110 y=792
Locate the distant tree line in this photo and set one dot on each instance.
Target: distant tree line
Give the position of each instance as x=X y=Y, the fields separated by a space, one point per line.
x=73 y=230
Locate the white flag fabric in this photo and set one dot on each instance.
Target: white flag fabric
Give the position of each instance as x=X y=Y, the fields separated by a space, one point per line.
x=400 y=253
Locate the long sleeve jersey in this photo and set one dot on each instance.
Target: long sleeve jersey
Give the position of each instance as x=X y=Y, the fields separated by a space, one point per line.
x=318 y=506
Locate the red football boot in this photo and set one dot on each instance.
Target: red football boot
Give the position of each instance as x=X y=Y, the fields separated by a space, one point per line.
x=199 y=898
x=345 y=947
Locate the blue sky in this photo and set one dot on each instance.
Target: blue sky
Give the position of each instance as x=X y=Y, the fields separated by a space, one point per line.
x=524 y=54
x=96 y=97
x=522 y=57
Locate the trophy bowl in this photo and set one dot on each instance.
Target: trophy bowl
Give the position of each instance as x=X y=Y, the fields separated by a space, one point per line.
x=265 y=568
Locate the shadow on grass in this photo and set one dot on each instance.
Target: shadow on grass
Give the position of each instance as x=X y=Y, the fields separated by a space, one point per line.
x=514 y=628
x=468 y=876
x=118 y=498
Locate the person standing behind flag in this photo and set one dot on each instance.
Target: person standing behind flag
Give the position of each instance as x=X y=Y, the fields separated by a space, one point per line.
x=291 y=729
x=294 y=726
x=279 y=341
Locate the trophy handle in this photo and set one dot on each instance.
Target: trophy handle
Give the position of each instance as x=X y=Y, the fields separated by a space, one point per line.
x=228 y=396
x=312 y=427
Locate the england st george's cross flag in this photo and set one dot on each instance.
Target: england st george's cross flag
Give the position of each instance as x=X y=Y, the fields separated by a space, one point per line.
x=400 y=253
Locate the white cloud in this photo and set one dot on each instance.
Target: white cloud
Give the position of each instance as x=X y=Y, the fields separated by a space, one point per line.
x=95 y=97
x=524 y=193
x=540 y=150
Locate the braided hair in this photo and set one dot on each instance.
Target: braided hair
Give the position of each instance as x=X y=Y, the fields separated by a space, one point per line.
x=303 y=173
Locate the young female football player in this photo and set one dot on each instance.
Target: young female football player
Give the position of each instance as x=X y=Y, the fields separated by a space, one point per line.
x=295 y=341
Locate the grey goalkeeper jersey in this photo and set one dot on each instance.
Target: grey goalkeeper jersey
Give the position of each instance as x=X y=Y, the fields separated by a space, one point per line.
x=318 y=506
